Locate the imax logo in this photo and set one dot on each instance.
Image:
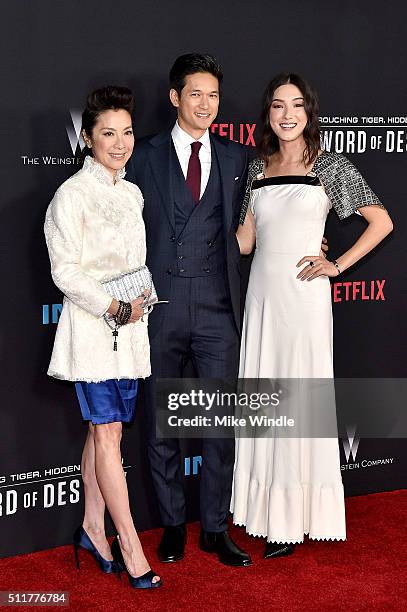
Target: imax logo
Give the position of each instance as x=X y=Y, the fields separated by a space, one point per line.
x=196 y=464
x=53 y=309
x=350 y=443
x=74 y=130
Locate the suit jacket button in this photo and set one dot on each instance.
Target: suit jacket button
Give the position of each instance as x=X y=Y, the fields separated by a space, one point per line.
x=172 y=238
x=169 y=271
x=209 y=243
x=206 y=269
x=182 y=270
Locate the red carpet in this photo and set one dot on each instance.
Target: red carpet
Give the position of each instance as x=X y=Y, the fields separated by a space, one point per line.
x=367 y=572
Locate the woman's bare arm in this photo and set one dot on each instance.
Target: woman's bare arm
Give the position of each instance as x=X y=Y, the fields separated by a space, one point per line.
x=246 y=234
x=379 y=226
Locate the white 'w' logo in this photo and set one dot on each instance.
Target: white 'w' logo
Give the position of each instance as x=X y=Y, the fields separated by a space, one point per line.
x=74 y=130
x=350 y=443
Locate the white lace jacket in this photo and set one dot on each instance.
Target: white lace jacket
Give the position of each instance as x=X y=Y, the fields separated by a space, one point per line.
x=94 y=231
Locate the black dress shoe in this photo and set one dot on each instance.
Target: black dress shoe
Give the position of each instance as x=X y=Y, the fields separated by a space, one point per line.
x=172 y=545
x=222 y=544
x=278 y=550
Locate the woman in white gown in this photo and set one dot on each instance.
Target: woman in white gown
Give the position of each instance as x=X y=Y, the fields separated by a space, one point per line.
x=285 y=488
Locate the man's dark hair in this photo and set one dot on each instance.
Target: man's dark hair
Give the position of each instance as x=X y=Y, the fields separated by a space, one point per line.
x=191 y=63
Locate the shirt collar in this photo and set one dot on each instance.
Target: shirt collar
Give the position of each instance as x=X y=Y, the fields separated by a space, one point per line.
x=183 y=140
x=100 y=172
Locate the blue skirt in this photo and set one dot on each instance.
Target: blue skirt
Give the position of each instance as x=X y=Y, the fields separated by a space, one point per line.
x=108 y=401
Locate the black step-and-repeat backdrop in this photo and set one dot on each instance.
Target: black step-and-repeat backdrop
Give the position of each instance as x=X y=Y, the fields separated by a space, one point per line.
x=52 y=54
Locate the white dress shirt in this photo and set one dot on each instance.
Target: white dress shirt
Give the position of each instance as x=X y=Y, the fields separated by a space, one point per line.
x=94 y=231
x=182 y=143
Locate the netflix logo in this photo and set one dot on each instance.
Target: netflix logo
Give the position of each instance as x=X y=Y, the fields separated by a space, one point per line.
x=242 y=132
x=355 y=291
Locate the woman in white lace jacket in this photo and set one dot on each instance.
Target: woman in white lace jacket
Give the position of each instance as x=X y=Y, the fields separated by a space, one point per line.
x=94 y=232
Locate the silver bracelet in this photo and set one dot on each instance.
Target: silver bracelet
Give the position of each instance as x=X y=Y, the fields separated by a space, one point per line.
x=335 y=263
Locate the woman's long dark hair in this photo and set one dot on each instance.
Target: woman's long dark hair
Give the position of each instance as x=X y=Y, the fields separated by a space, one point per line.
x=268 y=141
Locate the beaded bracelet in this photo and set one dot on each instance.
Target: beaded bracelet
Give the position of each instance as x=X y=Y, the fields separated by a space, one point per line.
x=121 y=317
x=124 y=313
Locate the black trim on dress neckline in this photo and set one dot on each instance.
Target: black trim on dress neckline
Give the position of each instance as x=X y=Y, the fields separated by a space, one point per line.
x=292 y=179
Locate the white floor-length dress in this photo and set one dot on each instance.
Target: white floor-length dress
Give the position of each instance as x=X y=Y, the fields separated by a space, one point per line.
x=286 y=487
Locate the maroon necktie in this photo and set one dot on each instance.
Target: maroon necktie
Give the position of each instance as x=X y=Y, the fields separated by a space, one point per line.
x=193 y=179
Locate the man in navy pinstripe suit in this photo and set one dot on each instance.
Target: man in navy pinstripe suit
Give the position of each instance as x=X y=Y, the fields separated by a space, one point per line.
x=193 y=184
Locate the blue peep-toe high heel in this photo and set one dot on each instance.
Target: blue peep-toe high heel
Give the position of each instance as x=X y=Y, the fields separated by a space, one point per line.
x=82 y=540
x=137 y=582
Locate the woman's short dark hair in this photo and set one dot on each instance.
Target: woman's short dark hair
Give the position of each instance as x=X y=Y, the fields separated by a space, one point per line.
x=106 y=98
x=191 y=63
x=268 y=143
